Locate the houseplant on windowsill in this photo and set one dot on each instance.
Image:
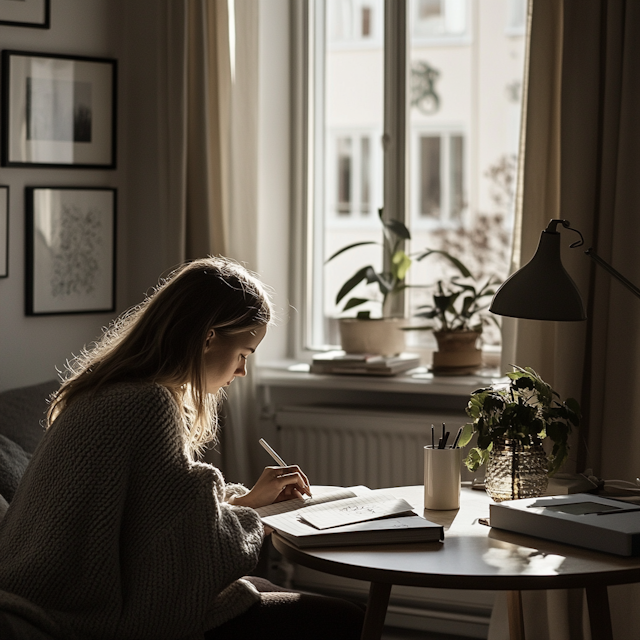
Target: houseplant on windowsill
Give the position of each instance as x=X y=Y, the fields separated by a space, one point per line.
x=383 y=335
x=512 y=420
x=458 y=312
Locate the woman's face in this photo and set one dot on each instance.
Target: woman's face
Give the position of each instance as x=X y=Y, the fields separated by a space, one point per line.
x=225 y=357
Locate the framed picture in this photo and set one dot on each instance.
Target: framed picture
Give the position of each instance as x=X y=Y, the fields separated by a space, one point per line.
x=71 y=244
x=4 y=231
x=25 y=13
x=58 y=111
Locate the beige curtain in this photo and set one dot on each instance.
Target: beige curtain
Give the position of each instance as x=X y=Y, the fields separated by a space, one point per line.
x=191 y=88
x=581 y=160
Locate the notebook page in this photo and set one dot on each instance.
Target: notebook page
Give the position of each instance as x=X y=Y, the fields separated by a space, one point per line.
x=296 y=503
x=352 y=510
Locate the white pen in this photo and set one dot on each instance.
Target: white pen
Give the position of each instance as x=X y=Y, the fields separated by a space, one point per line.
x=271 y=451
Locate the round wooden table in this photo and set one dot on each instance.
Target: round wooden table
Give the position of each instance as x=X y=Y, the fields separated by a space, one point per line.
x=473 y=556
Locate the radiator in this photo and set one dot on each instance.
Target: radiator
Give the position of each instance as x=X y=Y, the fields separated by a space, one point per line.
x=376 y=448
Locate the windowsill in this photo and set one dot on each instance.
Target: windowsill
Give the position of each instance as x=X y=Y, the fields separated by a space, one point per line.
x=419 y=380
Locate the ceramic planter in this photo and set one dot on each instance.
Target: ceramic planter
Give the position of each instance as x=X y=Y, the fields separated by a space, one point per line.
x=382 y=336
x=457 y=352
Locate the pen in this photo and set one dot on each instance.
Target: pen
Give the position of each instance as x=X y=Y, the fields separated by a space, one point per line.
x=455 y=442
x=443 y=442
x=443 y=436
x=433 y=442
x=272 y=452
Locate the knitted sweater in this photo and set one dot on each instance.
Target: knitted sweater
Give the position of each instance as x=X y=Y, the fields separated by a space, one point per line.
x=113 y=533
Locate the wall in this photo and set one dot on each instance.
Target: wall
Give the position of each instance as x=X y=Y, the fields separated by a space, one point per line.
x=32 y=347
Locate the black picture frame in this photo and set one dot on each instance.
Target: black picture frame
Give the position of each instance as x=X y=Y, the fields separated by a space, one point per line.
x=70 y=250
x=27 y=13
x=4 y=231
x=58 y=111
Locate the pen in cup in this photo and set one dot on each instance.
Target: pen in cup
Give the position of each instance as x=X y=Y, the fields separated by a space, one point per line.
x=272 y=452
x=455 y=442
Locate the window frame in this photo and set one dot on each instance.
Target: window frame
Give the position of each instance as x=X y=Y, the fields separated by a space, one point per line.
x=306 y=261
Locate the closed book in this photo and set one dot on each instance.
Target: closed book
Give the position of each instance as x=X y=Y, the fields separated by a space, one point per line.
x=580 y=519
x=399 y=530
x=363 y=364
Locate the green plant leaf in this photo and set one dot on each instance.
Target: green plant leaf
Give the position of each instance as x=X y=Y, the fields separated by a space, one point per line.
x=454 y=261
x=351 y=246
x=352 y=282
x=401 y=263
x=354 y=302
x=466 y=435
x=397 y=228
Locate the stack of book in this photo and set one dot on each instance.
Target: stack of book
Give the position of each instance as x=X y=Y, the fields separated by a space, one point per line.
x=337 y=517
x=363 y=363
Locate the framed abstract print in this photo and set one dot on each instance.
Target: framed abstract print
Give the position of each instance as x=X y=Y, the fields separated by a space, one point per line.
x=71 y=249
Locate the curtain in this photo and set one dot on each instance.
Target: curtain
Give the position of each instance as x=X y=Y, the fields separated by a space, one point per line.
x=580 y=163
x=192 y=92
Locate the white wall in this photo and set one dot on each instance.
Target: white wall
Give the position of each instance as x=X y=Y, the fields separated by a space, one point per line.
x=32 y=347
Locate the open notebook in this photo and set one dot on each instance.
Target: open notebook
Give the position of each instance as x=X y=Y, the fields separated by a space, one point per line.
x=344 y=517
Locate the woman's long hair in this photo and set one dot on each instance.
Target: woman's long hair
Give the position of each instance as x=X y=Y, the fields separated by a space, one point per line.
x=162 y=340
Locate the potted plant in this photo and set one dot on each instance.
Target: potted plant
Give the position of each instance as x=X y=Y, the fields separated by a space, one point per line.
x=457 y=312
x=511 y=421
x=381 y=335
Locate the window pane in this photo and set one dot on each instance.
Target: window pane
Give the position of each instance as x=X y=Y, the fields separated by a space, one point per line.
x=365 y=175
x=344 y=175
x=456 y=181
x=463 y=134
x=351 y=150
x=430 y=176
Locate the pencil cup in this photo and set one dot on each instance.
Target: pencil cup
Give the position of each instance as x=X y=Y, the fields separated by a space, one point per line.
x=442 y=478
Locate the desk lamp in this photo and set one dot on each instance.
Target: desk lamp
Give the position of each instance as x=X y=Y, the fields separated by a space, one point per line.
x=542 y=289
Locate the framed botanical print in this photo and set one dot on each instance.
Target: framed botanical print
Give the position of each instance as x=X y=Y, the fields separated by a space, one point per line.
x=4 y=231
x=58 y=111
x=71 y=249
x=25 y=13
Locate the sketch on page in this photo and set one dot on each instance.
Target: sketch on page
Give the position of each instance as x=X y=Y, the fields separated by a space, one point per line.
x=352 y=510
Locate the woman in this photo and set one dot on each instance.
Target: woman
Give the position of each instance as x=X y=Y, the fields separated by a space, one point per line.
x=117 y=530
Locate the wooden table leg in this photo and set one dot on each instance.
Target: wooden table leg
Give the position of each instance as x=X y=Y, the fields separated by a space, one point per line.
x=599 y=615
x=516 y=619
x=376 y=611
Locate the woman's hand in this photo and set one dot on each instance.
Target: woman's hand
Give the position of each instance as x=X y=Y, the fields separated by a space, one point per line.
x=275 y=485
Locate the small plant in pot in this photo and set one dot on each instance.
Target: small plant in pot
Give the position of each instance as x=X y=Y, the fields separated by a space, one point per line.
x=381 y=335
x=457 y=313
x=512 y=420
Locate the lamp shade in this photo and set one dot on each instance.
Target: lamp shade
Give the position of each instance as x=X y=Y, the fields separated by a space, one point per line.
x=542 y=289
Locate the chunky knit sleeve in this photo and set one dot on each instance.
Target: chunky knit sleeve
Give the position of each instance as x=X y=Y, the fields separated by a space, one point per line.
x=115 y=533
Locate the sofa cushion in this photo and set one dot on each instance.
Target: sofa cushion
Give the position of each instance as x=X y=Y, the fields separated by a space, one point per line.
x=13 y=461
x=23 y=411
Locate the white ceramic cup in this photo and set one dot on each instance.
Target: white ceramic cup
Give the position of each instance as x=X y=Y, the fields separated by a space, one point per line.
x=442 y=478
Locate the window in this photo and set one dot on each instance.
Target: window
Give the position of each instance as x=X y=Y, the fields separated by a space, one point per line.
x=354 y=22
x=350 y=166
x=453 y=161
x=439 y=18
x=439 y=178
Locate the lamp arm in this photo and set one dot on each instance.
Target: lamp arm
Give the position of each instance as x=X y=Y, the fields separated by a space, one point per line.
x=616 y=274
